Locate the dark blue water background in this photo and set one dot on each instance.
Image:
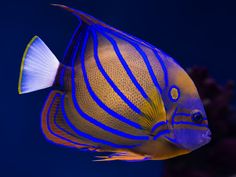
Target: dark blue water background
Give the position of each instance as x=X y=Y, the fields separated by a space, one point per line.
x=200 y=32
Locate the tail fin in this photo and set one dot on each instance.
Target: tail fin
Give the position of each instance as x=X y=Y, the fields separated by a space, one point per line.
x=38 y=67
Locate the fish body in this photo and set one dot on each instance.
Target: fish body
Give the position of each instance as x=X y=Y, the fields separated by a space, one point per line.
x=117 y=94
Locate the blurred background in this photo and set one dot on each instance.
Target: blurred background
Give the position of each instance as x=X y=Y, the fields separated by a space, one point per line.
x=199 y=34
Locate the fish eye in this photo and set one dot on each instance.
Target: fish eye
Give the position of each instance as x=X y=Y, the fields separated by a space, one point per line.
x=197 y=117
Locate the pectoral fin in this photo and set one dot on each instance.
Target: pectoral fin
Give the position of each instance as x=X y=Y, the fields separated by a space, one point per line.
x=154 y=112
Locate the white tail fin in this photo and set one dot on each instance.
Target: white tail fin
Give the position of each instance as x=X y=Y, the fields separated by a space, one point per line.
x=38 y=67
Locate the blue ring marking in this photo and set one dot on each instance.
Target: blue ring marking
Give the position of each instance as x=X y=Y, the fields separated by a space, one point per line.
x=109 y=80
x=90 y=137
x=140 y=51
x=157 y=125
x=125 y=65
x=169 y=93
x=101 y=104
x=62 y=76
x=161 y=133
x=48 y=125
x=166 y=77
x=75 y=32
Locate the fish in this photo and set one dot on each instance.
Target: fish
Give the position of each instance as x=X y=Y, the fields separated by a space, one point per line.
x=115 y=93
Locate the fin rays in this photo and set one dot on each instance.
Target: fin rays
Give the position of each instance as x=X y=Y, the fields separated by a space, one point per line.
x=52 y=131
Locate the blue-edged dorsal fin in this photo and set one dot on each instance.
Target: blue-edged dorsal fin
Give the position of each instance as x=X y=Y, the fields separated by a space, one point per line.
x=83 y=16
x=90 y=20
x=77 y=40
x=86 y=21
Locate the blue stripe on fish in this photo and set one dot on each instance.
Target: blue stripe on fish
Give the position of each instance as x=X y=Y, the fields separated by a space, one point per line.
x=125 y=65
x=70 y=45
x=166 y=77
x=190 y=123
x=186 y=115
x=173 y=140
x=62 y=76
x=109 y=80
x=71 y=40
x=157 y=125
x=139 y=50
x=134 y=39
x=58 y=126
x=173 y=117
x=87 y=136
x=148 y=65
x=99 y=102
x=175 y=114
x=48 y=124
x=90 y=137
x=87 y=117
x=161 y=133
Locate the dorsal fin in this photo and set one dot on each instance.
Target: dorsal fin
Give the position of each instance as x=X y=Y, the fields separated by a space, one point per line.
x=85 y=20
x=83 y=16
x=74 y=46
x=69 y=52
x=76 y=39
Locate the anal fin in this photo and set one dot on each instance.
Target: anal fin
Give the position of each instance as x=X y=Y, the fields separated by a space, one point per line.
x=55 y=127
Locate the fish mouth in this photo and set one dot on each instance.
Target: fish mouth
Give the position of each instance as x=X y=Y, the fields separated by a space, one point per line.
x=189 y=139
x=193 y=139
x=206 y=138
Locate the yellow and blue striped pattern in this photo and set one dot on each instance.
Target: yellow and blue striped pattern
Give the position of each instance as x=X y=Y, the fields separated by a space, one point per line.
x=114 y=84
x=116 y=88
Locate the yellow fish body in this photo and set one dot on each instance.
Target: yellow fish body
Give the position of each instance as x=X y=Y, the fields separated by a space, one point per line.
x=117 y=94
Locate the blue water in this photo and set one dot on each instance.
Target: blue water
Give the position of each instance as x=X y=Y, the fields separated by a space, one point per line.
x=194 y=32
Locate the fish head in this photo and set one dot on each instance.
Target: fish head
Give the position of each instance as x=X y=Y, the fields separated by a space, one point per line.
x=189 y=126
x=186 y=117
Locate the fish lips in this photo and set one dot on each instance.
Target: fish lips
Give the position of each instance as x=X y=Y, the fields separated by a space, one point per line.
x=191 y=139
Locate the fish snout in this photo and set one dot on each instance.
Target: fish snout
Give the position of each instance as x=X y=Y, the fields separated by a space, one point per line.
x=207 y=137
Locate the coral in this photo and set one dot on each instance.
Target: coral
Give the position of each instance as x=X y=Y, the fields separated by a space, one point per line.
x=218 y=158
